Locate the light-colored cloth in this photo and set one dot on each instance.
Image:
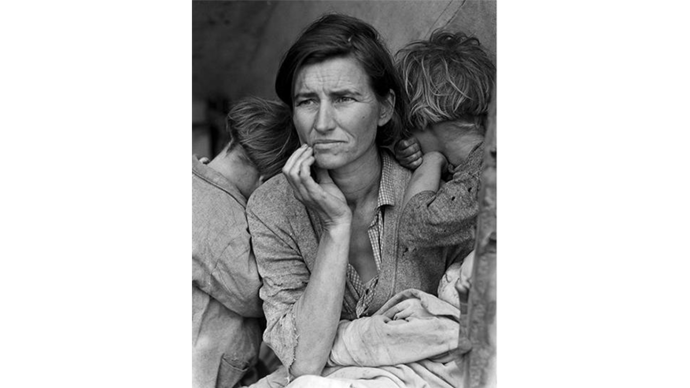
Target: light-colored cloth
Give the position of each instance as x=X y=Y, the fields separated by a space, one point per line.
x=455 y=285
x=285 y=238
x=278 y=379
x=407 y=343
x=411 y=326
x=226 y=309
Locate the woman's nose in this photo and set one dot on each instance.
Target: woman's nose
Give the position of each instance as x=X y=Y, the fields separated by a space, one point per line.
x=324 y=118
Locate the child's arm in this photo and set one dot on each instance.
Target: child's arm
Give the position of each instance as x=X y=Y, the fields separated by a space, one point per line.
x=427 y=177
x=448 y=216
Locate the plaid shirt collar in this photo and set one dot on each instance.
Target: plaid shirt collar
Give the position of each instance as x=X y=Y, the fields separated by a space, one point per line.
x=386 y=187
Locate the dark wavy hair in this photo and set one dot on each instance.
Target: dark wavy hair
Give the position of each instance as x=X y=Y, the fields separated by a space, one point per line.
x=446 y=78
x=334 y=36
x=264 y=130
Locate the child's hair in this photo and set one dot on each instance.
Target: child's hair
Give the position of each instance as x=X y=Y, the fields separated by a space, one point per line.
x=264 y=130
x=446 y=78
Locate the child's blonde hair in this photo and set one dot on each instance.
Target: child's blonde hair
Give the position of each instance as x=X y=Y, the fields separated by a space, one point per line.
x=446 y=78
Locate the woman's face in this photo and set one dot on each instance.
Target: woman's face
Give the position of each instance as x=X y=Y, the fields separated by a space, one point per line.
x=336 y=112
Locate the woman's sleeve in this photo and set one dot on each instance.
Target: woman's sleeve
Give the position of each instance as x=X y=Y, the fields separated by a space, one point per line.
x=446 y=217
x=285 y=276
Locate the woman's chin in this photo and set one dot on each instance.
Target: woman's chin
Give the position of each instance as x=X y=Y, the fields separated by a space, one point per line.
x=328 y=162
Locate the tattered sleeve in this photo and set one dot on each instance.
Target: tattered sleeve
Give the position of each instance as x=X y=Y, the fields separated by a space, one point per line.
x=448 y=216
x=285 y=276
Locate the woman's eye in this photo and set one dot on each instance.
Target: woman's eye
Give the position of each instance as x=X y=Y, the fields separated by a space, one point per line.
x=304 y=102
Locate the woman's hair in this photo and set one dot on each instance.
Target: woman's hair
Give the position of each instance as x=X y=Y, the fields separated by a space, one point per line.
x=264 y=130
x=336 y=36
x=447 y=78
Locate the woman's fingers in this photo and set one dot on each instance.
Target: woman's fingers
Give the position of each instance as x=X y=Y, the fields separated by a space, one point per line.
x=291 y=160
x=399 y=310
x=322 y=175
x=299 y=175
x=408 y=308
x=314 y=189
x=292 y=168
x=305 y=165
x=306 y=182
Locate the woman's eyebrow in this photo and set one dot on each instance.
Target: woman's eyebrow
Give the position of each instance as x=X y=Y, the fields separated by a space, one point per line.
x=304 y=94
x=345 y=92
x=333 y=93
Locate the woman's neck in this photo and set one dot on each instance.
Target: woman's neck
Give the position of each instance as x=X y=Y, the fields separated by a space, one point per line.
x=359 y=181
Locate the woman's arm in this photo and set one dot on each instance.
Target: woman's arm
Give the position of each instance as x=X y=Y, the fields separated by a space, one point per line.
x=286 y=278
x=317 y=312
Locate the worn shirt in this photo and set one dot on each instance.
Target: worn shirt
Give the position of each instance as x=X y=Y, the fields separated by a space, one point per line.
x=226 y=309
x=286 y=237
x=364 y=292
x=446 y=217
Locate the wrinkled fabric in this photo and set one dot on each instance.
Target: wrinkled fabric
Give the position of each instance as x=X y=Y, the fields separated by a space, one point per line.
x=278 y=379
x=226 y=309
x=387 y=351
x=448 y=216
x=285 y=238
x=429 y=329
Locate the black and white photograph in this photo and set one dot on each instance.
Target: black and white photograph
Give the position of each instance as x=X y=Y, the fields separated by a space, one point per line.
x=344 y=205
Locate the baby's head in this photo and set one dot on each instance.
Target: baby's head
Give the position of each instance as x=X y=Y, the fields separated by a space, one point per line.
x=454 y=286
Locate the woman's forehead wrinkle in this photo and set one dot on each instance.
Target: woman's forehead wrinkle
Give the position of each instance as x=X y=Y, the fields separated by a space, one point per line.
x=334 y=79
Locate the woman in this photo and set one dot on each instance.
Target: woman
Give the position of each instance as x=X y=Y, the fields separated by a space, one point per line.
x=325 y=232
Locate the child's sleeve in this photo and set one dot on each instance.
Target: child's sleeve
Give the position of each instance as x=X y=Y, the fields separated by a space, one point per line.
x=447 y=217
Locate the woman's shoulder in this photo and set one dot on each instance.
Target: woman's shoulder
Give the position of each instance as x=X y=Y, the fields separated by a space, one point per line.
x=395 y=177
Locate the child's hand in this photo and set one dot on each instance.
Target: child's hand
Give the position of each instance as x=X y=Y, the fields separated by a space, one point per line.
x=409 y=153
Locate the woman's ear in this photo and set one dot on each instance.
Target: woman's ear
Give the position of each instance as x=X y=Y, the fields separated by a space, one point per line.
x=387 y=108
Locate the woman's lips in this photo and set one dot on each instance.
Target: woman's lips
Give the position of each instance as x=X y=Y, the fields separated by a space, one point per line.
x=325 y=144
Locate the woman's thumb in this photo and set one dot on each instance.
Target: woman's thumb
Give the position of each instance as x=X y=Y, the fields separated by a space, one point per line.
x=322 y=175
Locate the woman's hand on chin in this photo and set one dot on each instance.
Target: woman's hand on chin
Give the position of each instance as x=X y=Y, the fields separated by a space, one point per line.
x=325 y=198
